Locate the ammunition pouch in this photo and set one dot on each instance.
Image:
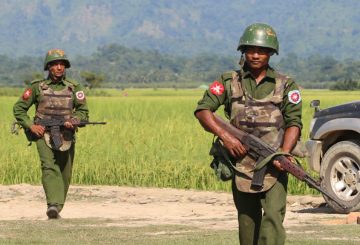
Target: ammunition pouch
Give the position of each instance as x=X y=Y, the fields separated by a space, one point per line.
x=221 y=164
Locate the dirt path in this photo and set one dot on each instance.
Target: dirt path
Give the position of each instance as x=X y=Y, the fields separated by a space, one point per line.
x=138 y=206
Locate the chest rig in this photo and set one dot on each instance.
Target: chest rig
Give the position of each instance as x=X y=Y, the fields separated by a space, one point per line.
x=262 y=118
x=56 y=105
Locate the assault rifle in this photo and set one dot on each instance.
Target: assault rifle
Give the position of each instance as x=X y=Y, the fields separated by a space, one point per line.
x=259 y=150
x=53 y=126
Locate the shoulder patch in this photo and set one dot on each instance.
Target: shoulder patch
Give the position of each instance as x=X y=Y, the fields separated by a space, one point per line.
x=294 y=96
x=216 y=88
x=80 y=95
x=27 y=93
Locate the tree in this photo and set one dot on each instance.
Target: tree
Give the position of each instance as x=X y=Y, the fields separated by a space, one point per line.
x=34 y=76
x=348 y=84
x=91 y=79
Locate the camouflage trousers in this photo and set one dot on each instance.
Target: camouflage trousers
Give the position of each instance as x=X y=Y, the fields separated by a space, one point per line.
x=261 y=215
x=56 y=168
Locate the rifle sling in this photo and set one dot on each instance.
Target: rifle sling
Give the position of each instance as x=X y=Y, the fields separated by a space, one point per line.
x=259 y=171
x=267 y=159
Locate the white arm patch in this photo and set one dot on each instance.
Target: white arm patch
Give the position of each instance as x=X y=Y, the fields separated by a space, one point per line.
x=294 y=96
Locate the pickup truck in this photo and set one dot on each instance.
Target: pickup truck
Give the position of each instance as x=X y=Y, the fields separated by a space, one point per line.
x=334 y=152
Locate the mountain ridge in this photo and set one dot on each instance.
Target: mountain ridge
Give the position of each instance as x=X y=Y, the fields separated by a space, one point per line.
x=182 y=27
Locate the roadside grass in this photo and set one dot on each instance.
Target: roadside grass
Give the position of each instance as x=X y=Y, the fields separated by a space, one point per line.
x=323 y=234
x=106 y=231
x=97 y=231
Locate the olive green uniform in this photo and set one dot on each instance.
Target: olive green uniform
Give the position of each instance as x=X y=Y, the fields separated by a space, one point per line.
x=56 y=166
x=255 y=227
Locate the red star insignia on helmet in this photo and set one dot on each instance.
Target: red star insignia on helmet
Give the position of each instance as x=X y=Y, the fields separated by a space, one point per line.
x=217 y=88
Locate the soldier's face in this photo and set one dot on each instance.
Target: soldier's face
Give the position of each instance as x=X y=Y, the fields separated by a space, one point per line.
x=57 y=69
x=257 y=57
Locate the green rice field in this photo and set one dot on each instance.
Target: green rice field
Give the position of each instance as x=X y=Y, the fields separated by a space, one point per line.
x=151 y=139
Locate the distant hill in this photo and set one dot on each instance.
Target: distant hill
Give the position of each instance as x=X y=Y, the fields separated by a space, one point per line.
x=185 y=27
x=121 y=67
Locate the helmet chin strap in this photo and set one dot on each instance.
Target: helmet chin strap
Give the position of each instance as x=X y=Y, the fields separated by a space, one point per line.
x=242 y=60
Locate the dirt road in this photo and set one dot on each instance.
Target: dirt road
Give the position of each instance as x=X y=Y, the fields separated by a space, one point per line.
x=129 y=206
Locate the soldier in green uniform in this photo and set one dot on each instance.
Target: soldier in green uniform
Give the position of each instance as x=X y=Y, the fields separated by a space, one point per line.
x=267 y=104
x=55 y=97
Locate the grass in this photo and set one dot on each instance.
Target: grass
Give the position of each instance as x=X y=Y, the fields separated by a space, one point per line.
x=151 y=139
x=323 y=235
x=102 y=231
x=97 y=231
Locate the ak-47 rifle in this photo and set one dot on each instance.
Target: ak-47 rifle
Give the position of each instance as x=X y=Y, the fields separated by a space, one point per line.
x=259 y=150
x=53 y=126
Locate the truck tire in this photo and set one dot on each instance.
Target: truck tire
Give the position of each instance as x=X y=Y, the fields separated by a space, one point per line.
x=340 y=175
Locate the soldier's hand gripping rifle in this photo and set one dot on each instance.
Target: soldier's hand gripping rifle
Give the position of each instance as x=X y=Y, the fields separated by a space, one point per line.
x=263 y=153
x=53 y=126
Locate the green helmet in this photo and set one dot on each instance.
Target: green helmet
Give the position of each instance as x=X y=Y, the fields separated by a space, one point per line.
x=261 y=35
x=53 y=55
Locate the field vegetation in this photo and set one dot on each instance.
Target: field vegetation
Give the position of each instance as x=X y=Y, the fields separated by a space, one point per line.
x=151 y=139
x=99 y=231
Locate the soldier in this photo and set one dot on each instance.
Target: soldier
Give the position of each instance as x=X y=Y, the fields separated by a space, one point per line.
x=55 y=97
x=267 y=104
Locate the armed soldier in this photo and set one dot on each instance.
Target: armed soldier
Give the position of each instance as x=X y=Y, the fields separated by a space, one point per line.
x=57 y=98
x=267 y=104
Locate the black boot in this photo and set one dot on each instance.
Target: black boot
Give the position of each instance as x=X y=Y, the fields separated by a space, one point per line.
x=52 y=212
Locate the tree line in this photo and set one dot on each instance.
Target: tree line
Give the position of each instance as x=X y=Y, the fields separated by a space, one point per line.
x=119 y=67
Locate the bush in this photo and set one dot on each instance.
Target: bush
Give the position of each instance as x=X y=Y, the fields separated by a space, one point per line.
x=348 y=84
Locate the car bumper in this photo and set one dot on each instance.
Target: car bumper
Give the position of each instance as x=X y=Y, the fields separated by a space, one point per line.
x=314 y=150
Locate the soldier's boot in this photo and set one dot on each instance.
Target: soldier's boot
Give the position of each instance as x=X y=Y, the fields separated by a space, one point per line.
x=52 y=212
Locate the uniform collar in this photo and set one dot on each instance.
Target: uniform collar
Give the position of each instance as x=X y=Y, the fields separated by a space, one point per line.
x=270 y=72
x=49 y=81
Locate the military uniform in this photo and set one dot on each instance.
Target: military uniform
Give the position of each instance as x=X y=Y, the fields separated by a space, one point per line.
x=63 y=99
x=274 y=89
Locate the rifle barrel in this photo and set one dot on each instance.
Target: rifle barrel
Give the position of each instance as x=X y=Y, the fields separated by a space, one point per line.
x=90 y=123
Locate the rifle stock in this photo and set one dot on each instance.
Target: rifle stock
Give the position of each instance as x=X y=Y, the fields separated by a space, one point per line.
x=258 y=149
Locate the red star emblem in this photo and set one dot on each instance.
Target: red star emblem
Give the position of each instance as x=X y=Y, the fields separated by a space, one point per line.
x=26 y=95
x=217 y=88
x=294 y=96
x=80 y=95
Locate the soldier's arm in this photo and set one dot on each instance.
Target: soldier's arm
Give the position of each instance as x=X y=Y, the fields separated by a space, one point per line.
x=292 y=105
x=22 y=106
x=291 y=109
x=207 y=120
x=81 y=111
x=291 y=137
x=213 y=98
